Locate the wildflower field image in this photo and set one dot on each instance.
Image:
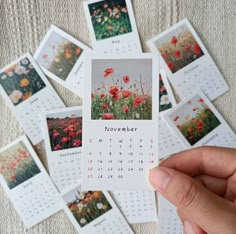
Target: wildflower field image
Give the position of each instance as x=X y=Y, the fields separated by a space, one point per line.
x=195 y=120
x=21 y=81
x=65 y=130
x=17 y=165
x=59 y=55
x=179 y=48
x=120 y=92
x=109 y=18
x=164 y=101
x=86 y=206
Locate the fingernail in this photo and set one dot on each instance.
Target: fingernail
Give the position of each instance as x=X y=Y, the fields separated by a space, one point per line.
x=159 y=178
x=188 y=228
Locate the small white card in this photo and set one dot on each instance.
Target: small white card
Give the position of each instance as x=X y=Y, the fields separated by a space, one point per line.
x=61 y=57
x=27 y=184
x=93 y=212
x=120 y=117
x=62 y=130
x=28 y=92
x=196 y=122
x=112 y=26
x=137 y=206
x=187 y=62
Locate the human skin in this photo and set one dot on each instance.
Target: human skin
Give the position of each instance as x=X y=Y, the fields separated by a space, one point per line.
x=201 y=183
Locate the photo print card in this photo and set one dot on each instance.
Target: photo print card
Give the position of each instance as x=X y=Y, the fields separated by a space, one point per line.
x=27 y=183
x=62 y=130
x=120 y=124
x=187 y=62
x=28 y=93
x=196 y=122
x=61 y=57
x=112 y=26
x=93 y=212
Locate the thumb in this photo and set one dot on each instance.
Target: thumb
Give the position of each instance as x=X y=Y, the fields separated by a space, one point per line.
x=200 y=206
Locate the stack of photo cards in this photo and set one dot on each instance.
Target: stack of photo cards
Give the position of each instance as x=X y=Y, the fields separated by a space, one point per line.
x=28 y=93
x=62 y=130
x=187 y=62
x=112 y=26
x=27 y=183
x=61 y=57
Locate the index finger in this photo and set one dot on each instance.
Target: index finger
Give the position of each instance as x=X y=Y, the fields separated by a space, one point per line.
x=210 y=160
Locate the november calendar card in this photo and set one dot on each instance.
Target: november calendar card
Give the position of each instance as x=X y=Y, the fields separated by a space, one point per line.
x=28 y=92
x=93 y=212
x=120 y=124
x=27 y=184
x=61 y=57
x=196 y=122
x=62 y=130
x=112 y=26
x=187 y=62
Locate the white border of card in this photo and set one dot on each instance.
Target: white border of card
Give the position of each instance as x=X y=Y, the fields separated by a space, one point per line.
x=219 y=135
x=74 y=80
x=105 y=219
x=47 y=91
x=188 y=72
x=105 y=129
x=107 y=45
x=66 y=160
x=27 y=188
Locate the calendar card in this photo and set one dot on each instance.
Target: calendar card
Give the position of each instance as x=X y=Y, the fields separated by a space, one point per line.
x=27 y=184
x=61 y=57
x=28 y=92
x=93 y=212
x=187 y=62
x=63 y=141
x=137 y=206
x=112 y=26
x=120 y=124
x=168 y=142
x=196 y=122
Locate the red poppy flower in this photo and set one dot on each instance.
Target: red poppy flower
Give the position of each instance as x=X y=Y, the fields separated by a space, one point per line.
x=65 y=130
x=125 y=109
x=179 y=126
x=170 y=65
x=200 y=123
x=56 y=134
x=13 y=178
x=103 y=95
x=72 y=128
x=105 y=5
x=163 y=88
x=73 y=207
x=57 y=147
x=160 y=78
x=108 y=71
x=201 y=100
x=92 y=95
x=199 y=129
x=108 y=116
x=126 y=79
x=104 y=106
x=126 y=93
x=138 y=100
x=116 y=97
x=191 y=138
x=177 y=54
x=176 y=118
x=173 y=40
x=114 y=90
x=164 y=56
x=79 y=132
x=77 y=142
x=193 y=119
x=190 y=130
x=65 y=139
x=72 y=134
x=187 y=47
x=196 y=49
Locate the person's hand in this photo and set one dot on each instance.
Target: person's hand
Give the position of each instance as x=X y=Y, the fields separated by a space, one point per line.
x=201 y=183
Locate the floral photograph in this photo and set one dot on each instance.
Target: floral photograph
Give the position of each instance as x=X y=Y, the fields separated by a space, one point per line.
x=65 y=130
x=59 y=55
x=21 y=81
x=17 y=165
x=195 y=120
x=179 y=48
x=120 y=92
x=109 y=18
x=86 y=206
x=164 y=101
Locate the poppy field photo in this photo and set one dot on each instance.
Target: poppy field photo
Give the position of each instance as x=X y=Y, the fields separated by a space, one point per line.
x=119 y=92
x=21 y=81
x=194 y=120
x=164 y=101
x=179 y=48
x=65 y=130
x=17 y=165
x=109 y=18
x=86 y=206
x=59 y=55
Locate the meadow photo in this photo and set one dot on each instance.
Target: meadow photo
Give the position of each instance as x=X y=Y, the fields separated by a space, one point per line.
x=21 y=81
x=65 y=130
x=164 y=100
x=59 y=55
x=120 y=92
x=86 y=206
x=109 y=18
x=179 y=48
x=194 y=120
x=17 y=165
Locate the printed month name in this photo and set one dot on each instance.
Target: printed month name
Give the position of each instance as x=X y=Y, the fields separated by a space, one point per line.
x=126 y=129
x=191 y=69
